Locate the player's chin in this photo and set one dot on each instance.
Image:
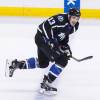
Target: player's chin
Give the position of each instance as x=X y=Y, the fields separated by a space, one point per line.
x=73 y=24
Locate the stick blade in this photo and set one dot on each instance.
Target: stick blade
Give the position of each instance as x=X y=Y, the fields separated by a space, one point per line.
x=83 y=59
x=86 y=58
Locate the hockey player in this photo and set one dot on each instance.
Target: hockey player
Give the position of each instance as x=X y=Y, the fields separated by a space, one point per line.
x=52 y=42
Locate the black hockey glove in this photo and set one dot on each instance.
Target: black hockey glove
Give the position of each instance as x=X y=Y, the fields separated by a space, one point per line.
x=54 y=48
x=66 y=49
x=53 y=43
x=56 y=53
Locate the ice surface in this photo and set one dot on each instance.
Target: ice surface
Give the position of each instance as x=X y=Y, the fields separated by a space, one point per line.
x=79 y=81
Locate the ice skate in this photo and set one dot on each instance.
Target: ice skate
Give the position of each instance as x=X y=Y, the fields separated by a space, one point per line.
x=46 y=87
x=11 y=66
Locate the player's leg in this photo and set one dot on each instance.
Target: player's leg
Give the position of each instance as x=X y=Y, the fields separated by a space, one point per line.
x=54 y=72
x=44 y=57
x=46 y=87
x=57 y=68
x=30 y=63
x=43 y=60
x=12 y=65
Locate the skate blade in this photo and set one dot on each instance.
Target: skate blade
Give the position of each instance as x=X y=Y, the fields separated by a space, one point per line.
x=48 y=93
x=8 y=63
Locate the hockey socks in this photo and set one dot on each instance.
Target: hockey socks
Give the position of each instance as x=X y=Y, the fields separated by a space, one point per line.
x=46 y=85
x=31 y=63
x=54 y=72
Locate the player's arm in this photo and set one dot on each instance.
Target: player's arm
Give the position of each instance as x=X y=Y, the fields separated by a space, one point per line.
x=48 y=26
x=65 y=48
x=48 y=30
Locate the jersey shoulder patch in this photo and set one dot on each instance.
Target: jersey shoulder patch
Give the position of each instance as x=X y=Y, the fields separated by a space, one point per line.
x=60 y=18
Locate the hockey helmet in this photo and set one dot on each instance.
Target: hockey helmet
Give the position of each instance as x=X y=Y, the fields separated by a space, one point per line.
x=74 y=12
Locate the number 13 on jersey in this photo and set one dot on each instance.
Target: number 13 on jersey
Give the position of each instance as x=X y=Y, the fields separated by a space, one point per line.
x=51 y=21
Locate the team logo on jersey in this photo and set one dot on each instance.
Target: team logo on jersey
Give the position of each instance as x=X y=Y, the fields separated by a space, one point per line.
x=61 y=36
x=60 y=18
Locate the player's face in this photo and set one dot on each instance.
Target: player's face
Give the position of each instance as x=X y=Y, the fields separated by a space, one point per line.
x=74 y=20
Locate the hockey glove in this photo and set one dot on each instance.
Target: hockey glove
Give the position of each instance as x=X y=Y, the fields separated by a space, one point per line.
x=53 y=43
x=66 y=50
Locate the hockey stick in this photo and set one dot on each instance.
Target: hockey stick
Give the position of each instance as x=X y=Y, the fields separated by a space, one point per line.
x=79 y=60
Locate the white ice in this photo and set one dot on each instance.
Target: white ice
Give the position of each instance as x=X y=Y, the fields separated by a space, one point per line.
x=78 y=81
